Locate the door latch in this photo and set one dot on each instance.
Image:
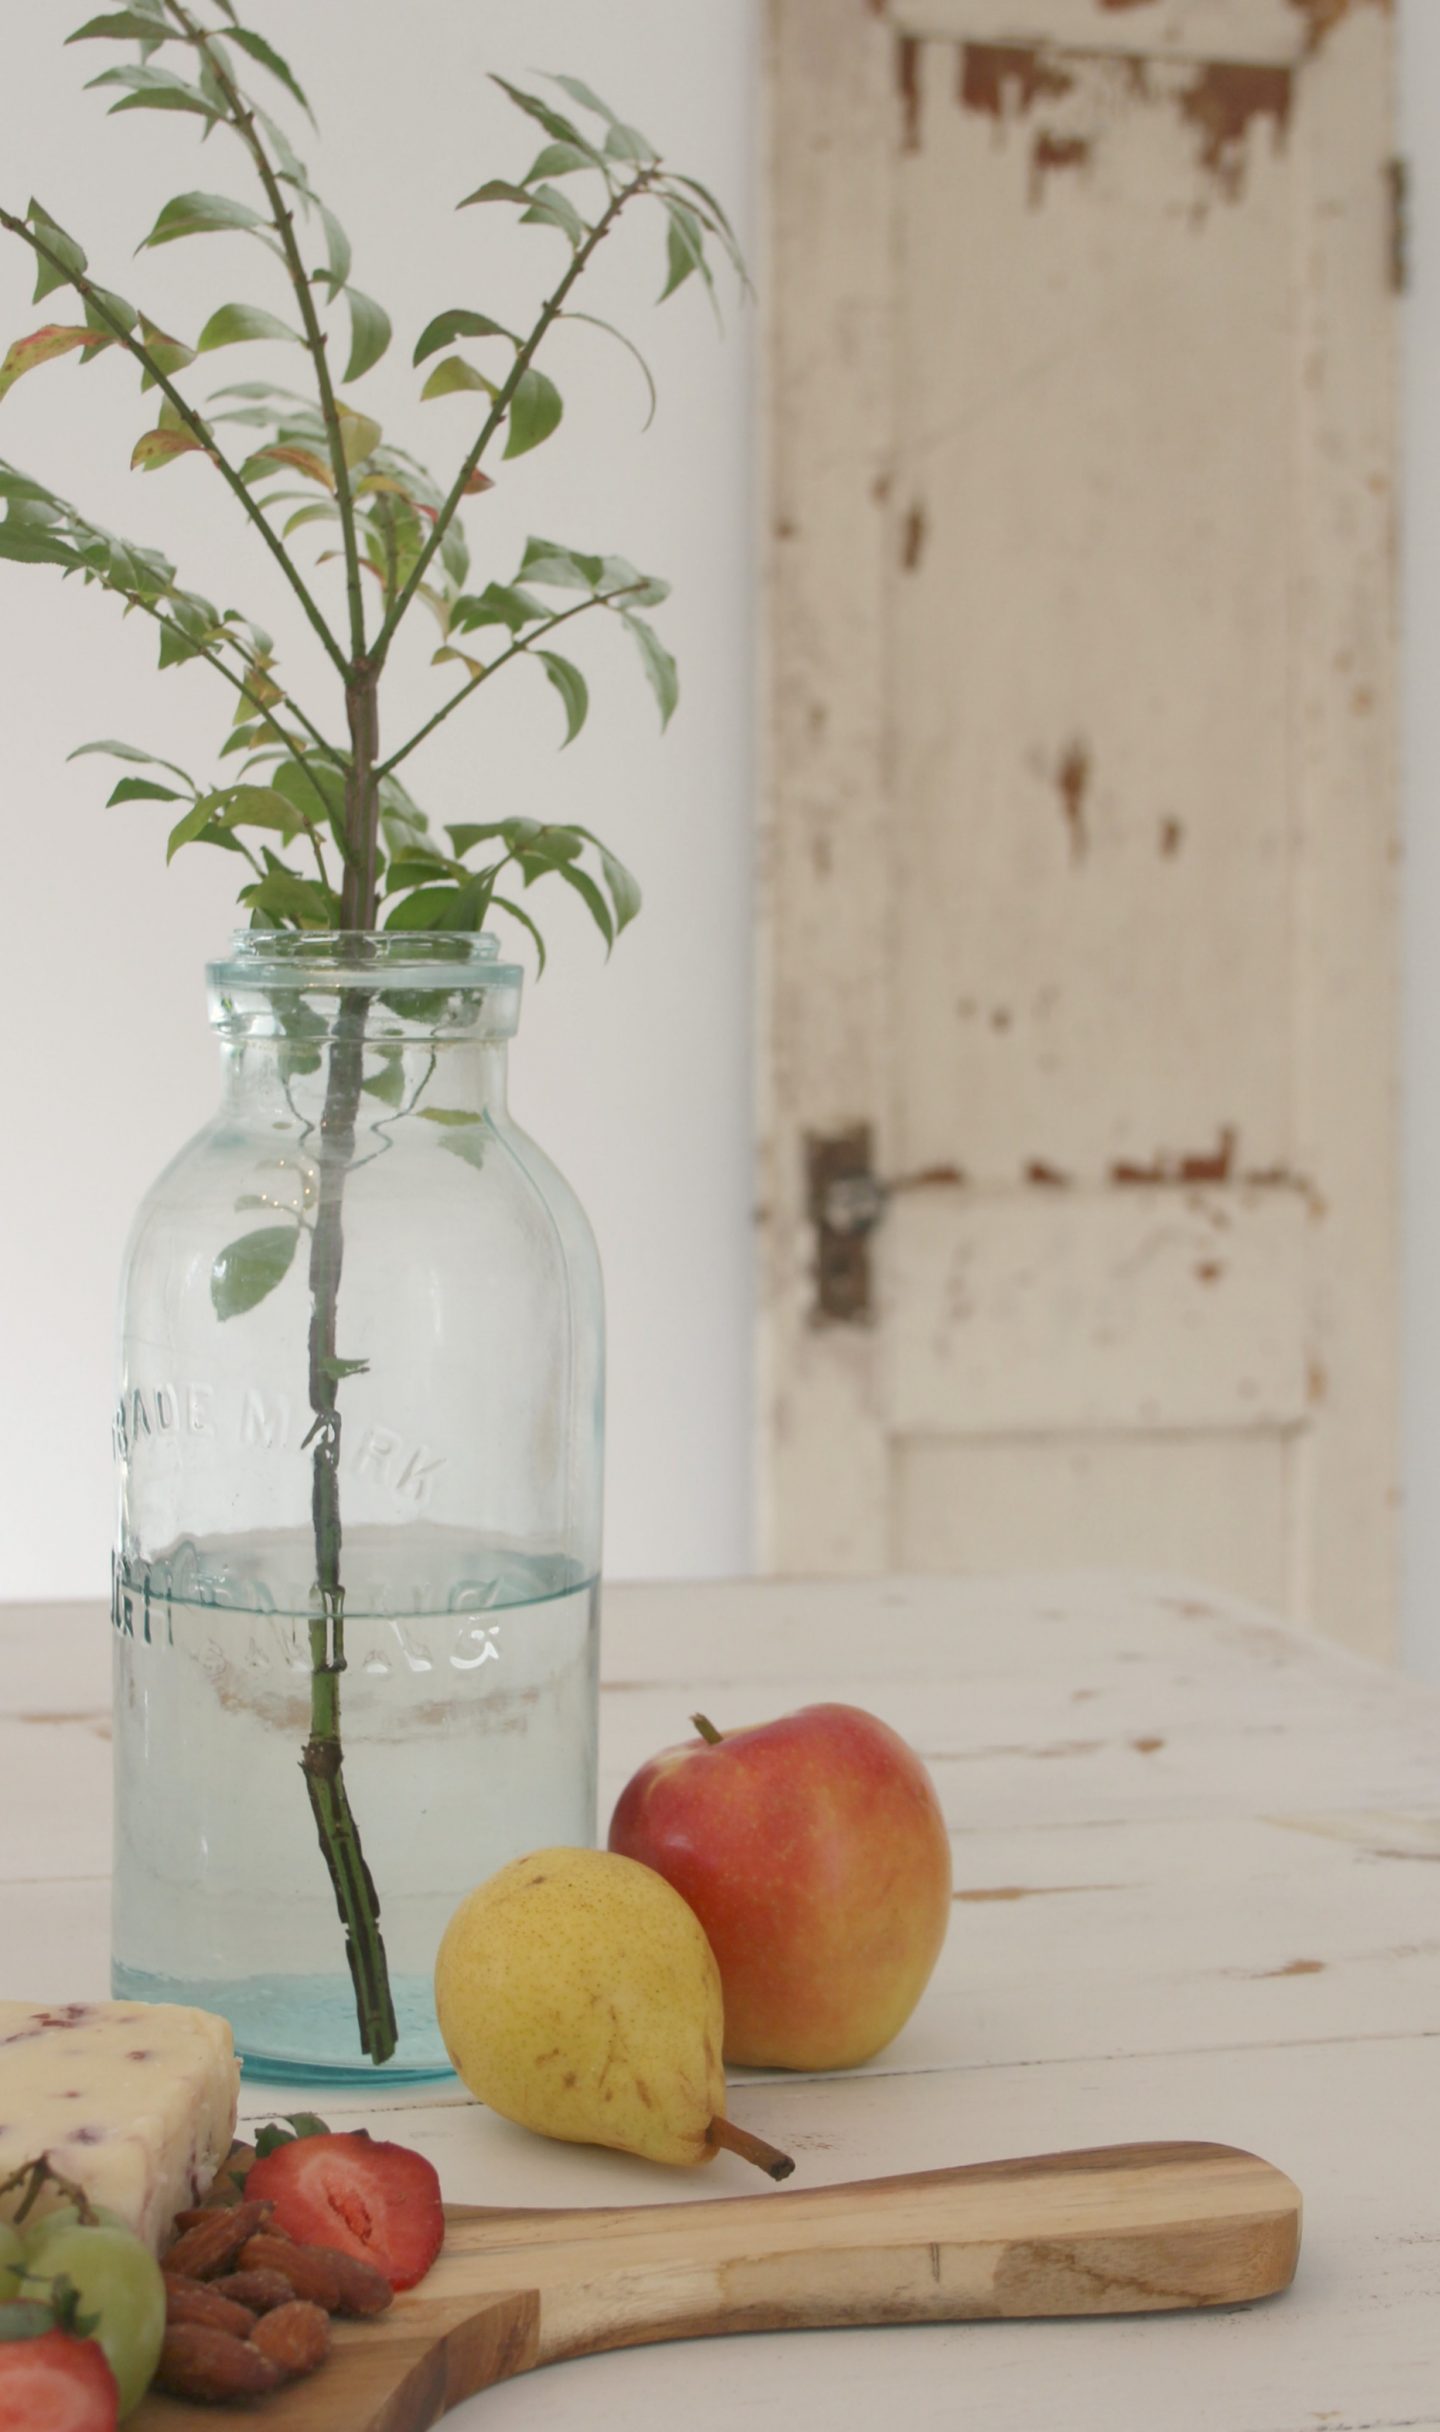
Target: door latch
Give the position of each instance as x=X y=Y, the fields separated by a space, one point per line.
x=845 y=1201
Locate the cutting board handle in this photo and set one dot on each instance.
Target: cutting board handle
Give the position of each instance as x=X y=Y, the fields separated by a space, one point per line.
x=1124 y=2229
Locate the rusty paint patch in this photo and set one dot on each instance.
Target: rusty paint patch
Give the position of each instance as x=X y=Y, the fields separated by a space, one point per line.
x=1072 y=781
x=1225 y=98
x=1172 y=836
x=907 y=83
x=1032 y=1891
x=1202 y=1165
x=1292 y=1967
x=1001 y=1018
x=1006 y=79
x=1051 y=152
x=929 y=1178
x=912 y=539
x=1115 y=6
x=1209 y=1271
x=1148 y=1745
x=1322 y=16
x=1045 y=1177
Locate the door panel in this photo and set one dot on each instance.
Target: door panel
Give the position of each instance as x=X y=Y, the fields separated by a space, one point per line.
x=1078 y=889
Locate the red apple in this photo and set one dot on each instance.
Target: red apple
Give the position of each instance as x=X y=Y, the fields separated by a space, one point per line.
x=814 y=1853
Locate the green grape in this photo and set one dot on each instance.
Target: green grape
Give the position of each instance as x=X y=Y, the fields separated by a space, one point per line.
x=117 y=2279
x=12 y=2255
x=47 y=2225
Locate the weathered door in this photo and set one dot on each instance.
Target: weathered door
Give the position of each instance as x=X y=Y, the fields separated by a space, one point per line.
x=1078 y=886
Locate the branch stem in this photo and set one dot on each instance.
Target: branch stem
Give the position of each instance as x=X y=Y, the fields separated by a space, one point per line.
x=601 y=599
x=524 y=355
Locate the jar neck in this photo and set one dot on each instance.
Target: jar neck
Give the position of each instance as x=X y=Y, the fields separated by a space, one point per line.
x=278 y=1081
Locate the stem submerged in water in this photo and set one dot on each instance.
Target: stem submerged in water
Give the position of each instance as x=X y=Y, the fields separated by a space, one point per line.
x=322 y=1762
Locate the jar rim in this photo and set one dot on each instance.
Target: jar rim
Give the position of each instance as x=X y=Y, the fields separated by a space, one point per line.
x=362 y=958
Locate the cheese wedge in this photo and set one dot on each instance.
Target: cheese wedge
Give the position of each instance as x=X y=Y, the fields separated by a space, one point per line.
x=133 y=2100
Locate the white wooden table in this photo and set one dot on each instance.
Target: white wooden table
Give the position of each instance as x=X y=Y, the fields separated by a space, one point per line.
x=1197 y=1866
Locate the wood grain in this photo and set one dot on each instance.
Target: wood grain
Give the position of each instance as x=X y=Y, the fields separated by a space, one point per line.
x=1123 y=2229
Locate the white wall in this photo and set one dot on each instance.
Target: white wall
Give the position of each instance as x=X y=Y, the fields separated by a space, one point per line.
x=1420 y=627
x=635 y=1076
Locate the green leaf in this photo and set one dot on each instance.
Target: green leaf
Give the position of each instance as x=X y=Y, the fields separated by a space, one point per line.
x=684 y=248
x=497 y=190
x=188 y=830
x=449 y=1114
x=117 y=307
x=255 y=806
x=26 y=2318
x=369 y=333
x=623 y=885
x=42 y=346
x=142 y=789
x=454 y=374
x=458 y=322
x=551 y=208
x=714 y=217
x=130 y=751
x=388 y=1082
x=157 y=448
x=298 y=2123
x=337 y=251
x=535 y=410
x=334 y=1367
x=590 y=895
x=630 y=348
x=427 y=908
x=234 y=323
x=572 y=688
x=546 y=561
x=558 y=160
x=47 y=277
x=498 y=604
x=561 y=130
x=153 y=89
x=170 y=356
x=123 y=25
x=200 y=215
x=249 y=1269
x=258 y=48
x=469 y=1145
x=301 y=900
x=517 y=912
x=589 y=99
x=659 y=667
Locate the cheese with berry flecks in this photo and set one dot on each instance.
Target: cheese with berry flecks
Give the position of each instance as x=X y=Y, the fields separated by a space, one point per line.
x=135 y=2101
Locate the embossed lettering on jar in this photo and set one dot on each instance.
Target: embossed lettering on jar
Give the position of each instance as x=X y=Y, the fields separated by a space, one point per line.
x=459 y=1410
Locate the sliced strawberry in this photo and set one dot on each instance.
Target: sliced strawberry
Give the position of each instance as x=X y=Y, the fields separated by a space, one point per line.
x=56 y=2384
x=380 y=2202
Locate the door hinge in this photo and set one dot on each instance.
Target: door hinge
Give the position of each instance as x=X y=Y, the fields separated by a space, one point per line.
x=1397 y=182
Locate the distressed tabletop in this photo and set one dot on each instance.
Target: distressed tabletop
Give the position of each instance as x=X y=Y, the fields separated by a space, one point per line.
x=1196 y=1896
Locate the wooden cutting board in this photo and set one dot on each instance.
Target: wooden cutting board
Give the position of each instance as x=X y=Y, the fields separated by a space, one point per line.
x=1124 y=2229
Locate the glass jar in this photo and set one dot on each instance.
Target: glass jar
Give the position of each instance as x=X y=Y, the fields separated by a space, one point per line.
x=359 y=1447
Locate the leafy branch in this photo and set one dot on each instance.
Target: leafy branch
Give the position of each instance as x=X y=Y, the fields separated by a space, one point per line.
x=399 y=527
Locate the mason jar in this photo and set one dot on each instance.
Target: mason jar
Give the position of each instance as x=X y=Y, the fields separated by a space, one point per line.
x=358 y=1436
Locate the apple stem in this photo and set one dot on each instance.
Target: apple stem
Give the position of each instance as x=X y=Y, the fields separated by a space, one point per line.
x=750 y=2148
x=707 y=1729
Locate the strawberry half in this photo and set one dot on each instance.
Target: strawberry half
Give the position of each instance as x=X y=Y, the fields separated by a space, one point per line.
x=380 y=2202
x=56 y=2384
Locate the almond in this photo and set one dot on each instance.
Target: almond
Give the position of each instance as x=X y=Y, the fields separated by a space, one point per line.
x=215 y=2241
x=310 y=2270
x=260 y=2291
x=199 y=2301
x=363 y=2289
x=200 y=2363
x=296 y=2337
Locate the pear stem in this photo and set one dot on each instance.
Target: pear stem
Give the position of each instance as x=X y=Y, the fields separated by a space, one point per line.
x=707 y=1729
x=750 y=2148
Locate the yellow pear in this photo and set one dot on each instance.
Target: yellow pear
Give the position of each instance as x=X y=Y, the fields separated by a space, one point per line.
x=577 y=1994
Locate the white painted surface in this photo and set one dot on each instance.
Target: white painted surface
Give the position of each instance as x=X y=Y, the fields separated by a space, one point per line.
x=1194 y=1865
x=1083 y=888
x=635 y=1077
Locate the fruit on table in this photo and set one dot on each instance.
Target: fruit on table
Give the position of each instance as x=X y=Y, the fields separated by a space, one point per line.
x=378 y=2202
x=814 y=1853
x=577 y=1995
x=56 y=2383
x=120 y=2297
